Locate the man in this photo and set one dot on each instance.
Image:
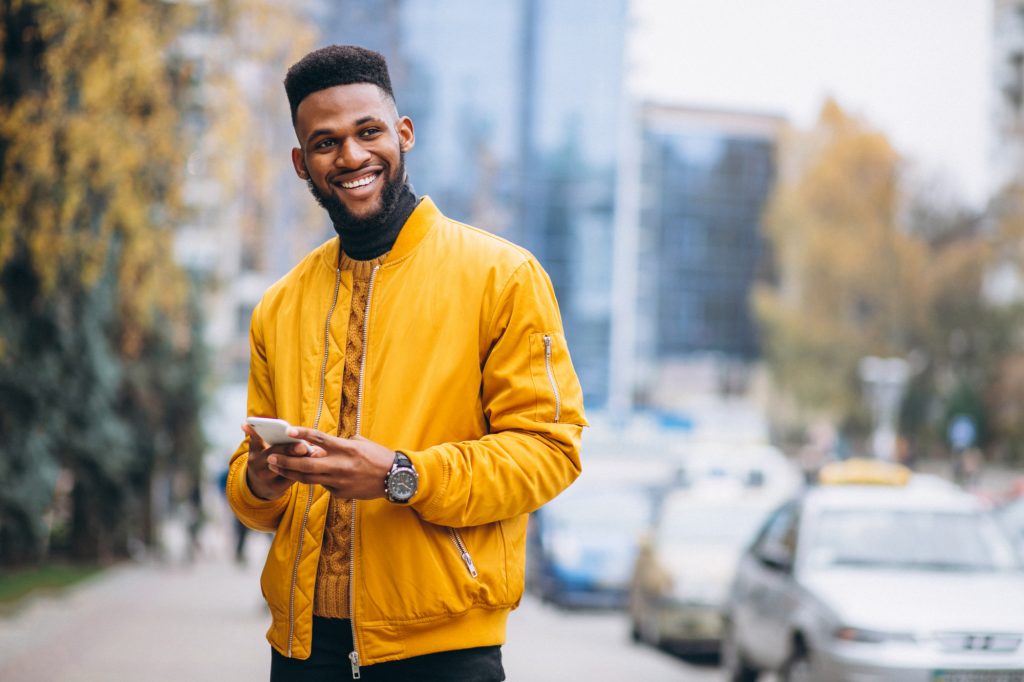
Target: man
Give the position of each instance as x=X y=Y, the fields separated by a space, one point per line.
x=424 y=367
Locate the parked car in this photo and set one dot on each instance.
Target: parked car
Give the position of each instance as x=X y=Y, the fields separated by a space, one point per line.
x=582 y=545
x=754 y=465
x=886 y=579
x=687 y=562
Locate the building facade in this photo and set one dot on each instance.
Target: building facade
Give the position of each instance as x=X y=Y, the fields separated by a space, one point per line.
x=705 y=177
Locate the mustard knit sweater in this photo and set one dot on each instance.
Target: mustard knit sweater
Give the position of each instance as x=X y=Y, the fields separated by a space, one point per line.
x=332 y=578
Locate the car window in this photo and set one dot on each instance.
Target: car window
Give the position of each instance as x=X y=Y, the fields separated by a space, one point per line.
x=910 y=539
x=778 y=540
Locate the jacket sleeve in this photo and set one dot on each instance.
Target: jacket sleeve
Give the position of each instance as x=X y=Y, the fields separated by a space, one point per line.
x=255 y=512
x=534 y=407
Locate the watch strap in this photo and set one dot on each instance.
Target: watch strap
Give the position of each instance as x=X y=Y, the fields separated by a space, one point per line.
x=402 y=462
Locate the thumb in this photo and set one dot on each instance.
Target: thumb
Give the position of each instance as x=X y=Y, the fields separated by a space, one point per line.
x=256 y=443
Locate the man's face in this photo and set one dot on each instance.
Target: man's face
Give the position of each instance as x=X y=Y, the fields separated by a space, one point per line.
x=352 y=147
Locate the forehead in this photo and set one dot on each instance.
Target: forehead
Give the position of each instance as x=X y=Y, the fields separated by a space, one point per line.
x=343 y=105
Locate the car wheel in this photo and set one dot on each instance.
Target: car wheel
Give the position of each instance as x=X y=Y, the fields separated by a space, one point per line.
x=736 y=667
x=798 y=667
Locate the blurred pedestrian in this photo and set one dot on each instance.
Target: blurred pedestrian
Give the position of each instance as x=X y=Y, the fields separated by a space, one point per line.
x=193 y=517
x=240 y=530
x=967 y=466
x=424 y=364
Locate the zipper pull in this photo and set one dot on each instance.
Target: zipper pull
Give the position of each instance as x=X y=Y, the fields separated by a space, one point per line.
x=354 y=658
x=469 y=563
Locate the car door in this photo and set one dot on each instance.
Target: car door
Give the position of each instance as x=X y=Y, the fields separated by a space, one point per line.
x=763 y=594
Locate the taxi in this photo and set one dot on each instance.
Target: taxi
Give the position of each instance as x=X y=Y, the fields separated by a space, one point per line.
x=878 y=574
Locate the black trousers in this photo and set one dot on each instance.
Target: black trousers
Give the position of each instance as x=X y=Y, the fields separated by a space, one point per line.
x=329 y=662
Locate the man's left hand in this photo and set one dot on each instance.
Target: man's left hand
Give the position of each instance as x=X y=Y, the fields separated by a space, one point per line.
x=352 y=468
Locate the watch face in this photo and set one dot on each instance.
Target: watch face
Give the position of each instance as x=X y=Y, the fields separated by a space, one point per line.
x=402 y=484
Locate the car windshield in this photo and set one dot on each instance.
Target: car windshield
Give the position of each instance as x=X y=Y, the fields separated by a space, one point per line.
x=709 y=526
x=925 y=540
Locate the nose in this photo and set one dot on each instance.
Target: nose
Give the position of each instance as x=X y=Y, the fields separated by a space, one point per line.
x=352 y=154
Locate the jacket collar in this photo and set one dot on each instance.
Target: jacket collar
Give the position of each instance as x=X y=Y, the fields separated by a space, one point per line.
x=420 y=222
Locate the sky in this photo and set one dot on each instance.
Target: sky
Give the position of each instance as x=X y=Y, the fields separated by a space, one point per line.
x=917 y=70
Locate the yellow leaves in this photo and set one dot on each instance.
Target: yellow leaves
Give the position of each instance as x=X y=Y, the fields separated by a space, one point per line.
x=91 y=154
x=853 y=280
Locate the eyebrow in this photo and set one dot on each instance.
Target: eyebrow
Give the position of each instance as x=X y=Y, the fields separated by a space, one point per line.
x=328 y=131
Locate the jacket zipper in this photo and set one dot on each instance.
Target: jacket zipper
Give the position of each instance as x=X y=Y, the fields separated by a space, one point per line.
x=551 y=377
x=309 y=496
x=353 y=657
x=463 y=552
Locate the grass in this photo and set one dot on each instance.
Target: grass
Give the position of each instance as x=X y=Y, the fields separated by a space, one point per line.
x=17 y=584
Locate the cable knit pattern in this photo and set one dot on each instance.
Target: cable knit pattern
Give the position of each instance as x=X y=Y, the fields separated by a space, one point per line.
x=332 y=579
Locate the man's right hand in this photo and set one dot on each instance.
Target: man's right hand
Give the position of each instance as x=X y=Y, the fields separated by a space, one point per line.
x=263 y=482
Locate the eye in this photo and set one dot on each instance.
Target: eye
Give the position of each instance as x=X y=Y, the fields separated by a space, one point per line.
x=324 y=143
x=370 y=132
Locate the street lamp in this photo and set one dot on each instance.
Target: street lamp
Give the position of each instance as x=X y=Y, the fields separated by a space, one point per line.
x=884 y=381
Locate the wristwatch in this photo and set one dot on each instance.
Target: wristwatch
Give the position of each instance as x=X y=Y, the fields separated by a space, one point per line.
x=402 y=481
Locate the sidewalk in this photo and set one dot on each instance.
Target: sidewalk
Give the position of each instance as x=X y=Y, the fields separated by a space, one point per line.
x=155 y=622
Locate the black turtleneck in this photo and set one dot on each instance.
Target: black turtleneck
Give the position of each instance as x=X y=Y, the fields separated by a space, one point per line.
x=375 y=237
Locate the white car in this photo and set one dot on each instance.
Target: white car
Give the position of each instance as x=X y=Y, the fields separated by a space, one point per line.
x=907 y=582
x=687 y=562
x=753 y=465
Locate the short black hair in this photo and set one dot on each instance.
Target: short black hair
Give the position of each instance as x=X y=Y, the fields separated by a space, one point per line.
x=335 y=65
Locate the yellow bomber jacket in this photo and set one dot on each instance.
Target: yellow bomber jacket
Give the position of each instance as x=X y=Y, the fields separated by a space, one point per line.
x=466 y=370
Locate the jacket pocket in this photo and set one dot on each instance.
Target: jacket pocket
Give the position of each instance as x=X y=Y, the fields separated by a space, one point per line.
x=558 y=395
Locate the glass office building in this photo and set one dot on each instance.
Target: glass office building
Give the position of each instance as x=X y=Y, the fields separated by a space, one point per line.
x=706 y=176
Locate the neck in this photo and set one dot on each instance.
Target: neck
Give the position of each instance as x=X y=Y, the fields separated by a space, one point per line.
x=375 y=237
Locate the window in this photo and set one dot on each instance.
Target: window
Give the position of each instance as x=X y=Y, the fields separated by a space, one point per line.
x=778 y=541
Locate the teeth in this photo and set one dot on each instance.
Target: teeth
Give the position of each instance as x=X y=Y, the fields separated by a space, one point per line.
x=359 y=182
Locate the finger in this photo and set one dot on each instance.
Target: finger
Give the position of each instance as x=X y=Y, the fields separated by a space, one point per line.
x=312 y=436
x=300 y=469
x=284 y=463
x=256 y=443
x=291 y=449
x=300 y=477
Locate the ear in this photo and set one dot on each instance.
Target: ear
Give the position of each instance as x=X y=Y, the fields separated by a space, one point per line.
x=300 y=163
x=406 y=134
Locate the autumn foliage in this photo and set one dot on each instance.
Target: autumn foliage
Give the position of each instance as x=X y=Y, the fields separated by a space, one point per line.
x=866 y=262
x=100 y=362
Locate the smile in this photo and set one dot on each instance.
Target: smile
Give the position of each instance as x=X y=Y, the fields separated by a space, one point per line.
x=360 y=181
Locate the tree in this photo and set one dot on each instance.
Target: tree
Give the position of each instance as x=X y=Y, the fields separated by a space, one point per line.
x=849 y=281
x=870 y=263
x=92 y=305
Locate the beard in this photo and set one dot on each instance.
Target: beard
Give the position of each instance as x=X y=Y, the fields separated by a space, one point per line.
x=344 y=220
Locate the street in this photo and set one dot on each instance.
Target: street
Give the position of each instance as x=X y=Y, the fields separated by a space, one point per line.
x=173 y=620
x=205 y=620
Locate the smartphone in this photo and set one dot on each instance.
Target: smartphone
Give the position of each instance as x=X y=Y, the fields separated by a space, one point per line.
x=273 y=431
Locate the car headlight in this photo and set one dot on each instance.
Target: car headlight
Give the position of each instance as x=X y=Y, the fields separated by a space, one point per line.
x=850 y=634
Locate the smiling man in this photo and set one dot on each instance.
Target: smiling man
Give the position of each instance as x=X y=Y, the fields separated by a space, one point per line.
x=424 y=369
